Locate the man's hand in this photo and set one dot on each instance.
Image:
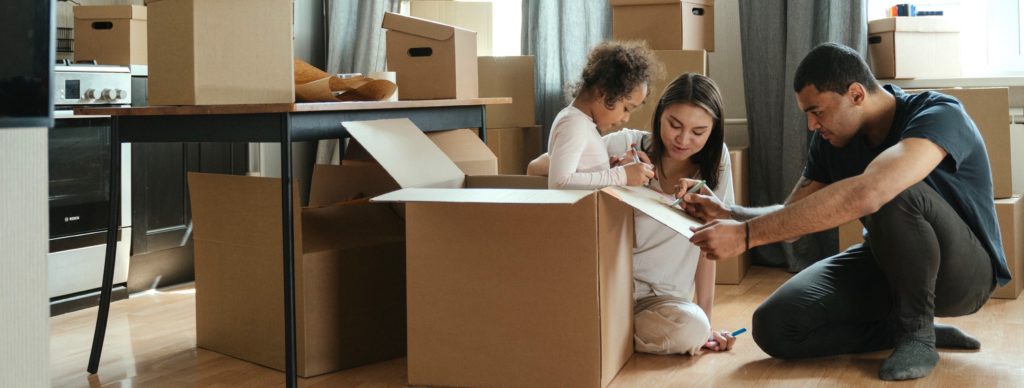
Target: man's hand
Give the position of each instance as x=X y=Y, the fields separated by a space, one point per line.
x=720 y=239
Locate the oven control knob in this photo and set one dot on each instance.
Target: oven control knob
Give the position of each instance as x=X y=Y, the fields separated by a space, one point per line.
x=90 y=94
x=107 y=94
x=120 y=93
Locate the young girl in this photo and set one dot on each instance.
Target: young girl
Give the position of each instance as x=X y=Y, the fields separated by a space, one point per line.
x=686 y=143
x=613 y=84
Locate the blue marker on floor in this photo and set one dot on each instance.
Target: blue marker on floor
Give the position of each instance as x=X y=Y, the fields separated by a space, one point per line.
x=712 y=343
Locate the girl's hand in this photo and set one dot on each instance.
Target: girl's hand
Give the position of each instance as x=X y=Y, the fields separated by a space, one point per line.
x=614 y=161
x=638 y=174
x=720 y=341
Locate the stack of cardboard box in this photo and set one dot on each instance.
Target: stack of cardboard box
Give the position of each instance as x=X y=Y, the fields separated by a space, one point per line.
x=989 y=109
x=512 y=132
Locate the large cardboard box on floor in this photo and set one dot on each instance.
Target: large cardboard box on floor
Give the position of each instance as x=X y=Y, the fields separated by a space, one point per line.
x=476 y=16
x=220 y=52
x=431 y=60
x=111 y=34
x=342 y=250
x=514 y=147
x=510 y=76
x=914 y=47
x=676 y=62
x=666 y=24
x=510 y=287
x=1010 y=212
x=733 y=270
x=989 y=108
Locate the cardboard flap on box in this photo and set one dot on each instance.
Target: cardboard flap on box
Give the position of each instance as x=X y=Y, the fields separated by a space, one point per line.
x=464 y=147
x=503 y=196
x=656 y=206
x=406 y=153
x=419 y=27
x=110 y=12
x=914 y=24
x=507 y=182
x=332 y=184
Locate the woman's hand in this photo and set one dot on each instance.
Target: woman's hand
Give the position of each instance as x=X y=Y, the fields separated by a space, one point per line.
x=705 y=206
x=720 y=341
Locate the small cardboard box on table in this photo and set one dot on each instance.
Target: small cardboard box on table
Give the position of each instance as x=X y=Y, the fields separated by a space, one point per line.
x=510 y=287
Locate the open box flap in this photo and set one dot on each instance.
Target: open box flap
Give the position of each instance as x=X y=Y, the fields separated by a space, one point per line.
x=509 y=196
x=406 y=153
x=655 y=204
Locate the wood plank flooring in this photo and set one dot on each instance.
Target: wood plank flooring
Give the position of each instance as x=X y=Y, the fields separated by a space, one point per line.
x=151 y=343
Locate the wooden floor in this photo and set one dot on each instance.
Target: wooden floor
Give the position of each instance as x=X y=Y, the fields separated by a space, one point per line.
x=151 y=343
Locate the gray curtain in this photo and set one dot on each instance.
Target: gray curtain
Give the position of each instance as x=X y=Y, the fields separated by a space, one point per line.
x=559 y=34
x=776 y=35
x=355 y=44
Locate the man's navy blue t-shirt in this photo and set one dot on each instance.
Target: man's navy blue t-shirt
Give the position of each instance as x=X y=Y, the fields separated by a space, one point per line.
x=963 y=178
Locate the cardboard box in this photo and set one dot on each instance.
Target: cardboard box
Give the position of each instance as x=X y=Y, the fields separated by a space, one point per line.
x=341 y=251
x=432 y=60
x=514 y=147
x=733 y=270
x=666 y=24
x=510 y=76
x=990 y=110
x=510 y=287
x=470 y=15
x=850 y=233
x=220 y=52
x=111 y=34
x=1010 y=212
x=676 y=62
x=914 y=47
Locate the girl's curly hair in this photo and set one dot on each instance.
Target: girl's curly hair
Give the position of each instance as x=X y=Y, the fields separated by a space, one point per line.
x=616 y=68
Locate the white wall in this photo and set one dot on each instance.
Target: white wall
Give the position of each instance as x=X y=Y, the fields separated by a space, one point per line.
x=24 y=233
x=725 y=66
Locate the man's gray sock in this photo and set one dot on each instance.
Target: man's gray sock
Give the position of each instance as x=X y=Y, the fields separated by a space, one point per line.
x=914 y=357
x=950 y=337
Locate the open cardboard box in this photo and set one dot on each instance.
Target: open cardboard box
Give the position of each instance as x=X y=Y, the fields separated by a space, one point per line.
x=510 y=287
x=349 y=270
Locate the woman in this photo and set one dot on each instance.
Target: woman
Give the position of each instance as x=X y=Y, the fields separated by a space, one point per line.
x=686 y=143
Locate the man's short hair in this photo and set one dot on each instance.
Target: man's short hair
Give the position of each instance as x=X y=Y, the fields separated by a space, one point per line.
x=833 y=67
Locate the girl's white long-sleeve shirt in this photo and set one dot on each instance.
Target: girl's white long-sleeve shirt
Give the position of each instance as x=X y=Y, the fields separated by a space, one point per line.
x=578 y=155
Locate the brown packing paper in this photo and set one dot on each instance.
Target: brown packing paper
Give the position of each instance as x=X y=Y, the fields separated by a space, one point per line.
x=315 y=85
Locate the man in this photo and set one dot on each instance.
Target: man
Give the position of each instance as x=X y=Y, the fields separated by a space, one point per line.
x=914 y=169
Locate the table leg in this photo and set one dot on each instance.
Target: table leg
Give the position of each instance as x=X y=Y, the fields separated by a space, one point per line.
x=287 y=226
x=108 y=264
x=483 y=123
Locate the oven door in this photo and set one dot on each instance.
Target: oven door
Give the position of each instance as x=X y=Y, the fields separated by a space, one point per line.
x=79 y=174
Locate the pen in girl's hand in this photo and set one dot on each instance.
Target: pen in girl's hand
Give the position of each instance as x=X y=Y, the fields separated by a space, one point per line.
x=636 y=153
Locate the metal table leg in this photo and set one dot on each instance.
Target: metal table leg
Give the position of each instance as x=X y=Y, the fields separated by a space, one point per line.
x=287 y=227
x=108 y=265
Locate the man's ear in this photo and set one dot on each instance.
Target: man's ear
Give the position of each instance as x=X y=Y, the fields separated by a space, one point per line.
x=857 y=93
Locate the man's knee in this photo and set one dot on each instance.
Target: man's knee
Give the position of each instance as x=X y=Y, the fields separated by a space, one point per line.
x=769 y=329
x=909 y=202
x=671 y=329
